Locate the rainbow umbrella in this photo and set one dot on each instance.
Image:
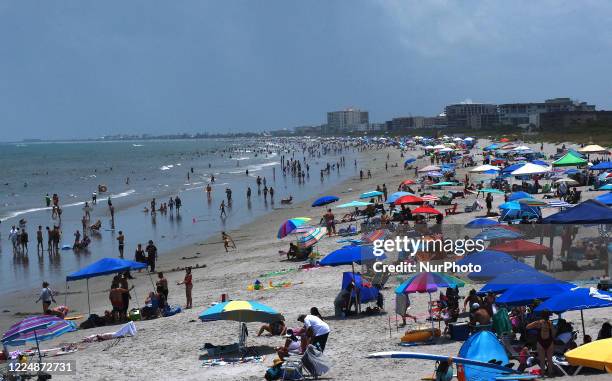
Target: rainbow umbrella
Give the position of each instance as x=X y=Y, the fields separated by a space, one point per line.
x=290 y=225
x=532 y=202
x=311 y=237
x=37 y=329
x=245 y=311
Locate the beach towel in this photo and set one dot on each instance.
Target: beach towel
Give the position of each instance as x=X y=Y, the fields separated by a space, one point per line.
x=127 y=330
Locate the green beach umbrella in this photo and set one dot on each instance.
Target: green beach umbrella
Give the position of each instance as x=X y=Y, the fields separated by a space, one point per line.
x=445 y=184
x=491 y=190
x=354 y=204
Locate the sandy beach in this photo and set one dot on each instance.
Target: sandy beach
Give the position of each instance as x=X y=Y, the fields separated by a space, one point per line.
x=169 y=348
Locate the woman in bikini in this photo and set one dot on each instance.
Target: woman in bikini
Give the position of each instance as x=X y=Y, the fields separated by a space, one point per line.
x=546 y=334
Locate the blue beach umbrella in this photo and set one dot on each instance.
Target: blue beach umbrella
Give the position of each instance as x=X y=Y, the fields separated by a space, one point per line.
x=325 y=200
x=354 y=204
x=504 y=281
x=577 y=299
x=497 y=233
x=480 y=223
x=409 y=160
x=518 y=195
x=523 y=294
x=607 y=187
x=510 y=205
x=347 y=255
x=394 y=196
x=605 y=198
x=371 y=194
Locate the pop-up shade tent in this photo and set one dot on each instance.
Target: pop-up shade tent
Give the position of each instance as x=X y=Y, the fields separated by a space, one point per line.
x=604 y=165
x=569 y=160
x=104 y=266
x=587 y=212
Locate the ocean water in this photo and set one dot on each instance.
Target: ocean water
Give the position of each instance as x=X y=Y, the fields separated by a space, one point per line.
x=135 y=172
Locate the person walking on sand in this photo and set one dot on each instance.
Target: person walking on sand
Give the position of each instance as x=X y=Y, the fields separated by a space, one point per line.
x=121 y=241
x=151 y=255
x=39 y=240
x=46 y=295
x=188 y=282
x=330 y=222
x=489 y=202
x=227 y=241
x=222 y=209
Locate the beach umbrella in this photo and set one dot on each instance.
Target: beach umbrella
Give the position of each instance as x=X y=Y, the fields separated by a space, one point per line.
x=540 y=162
x=484 y=168
x=512 y=168
x=445 y=184
x=245 y=311
x=408 y=182
x=497 y=233
x=430 y=198
x=577 y=299
x=325 y=200
x=429 y=168
x=491 y=190
x=532 y=202
x=394 y=196
x=348 y=255
x=596 y=354
x=559 y=204
x=504 y=140
x=409 y=160
x=434 y=174
x=428 y=282
x=446 y=149
x=531 y=169
x=505 y=280
x=510 y=205
x=523 y=294
x=519 y=247
x=521 y=148
x=426 y=210
x=409 y=199
x=481 y=222
x=593 y=148
x=371 y=194
x=567 y=180
x=607 y=187
x=354 y=204
x=311 y=237
x=37 y=329
x=290 y=225
x=518 y=195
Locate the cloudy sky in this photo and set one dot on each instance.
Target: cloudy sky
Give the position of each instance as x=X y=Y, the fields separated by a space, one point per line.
x=86 y=68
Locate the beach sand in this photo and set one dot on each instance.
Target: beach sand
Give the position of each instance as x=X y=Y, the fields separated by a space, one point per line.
x=168 y=348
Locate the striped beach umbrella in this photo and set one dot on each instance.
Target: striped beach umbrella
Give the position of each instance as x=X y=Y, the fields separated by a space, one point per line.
x=37 y=329
x=312 y=236
x=430 y=198
x=290 y=225
x=244 y=311
x=428 y=282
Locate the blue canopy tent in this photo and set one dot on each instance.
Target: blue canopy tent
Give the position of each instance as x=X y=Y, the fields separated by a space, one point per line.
x=577 y=299
x=587 y=212
x=605 y=198
x=518 y=195
x=603 y=166
x=504 y=281
x=366 y=294
x=523 y=294
x=492 y=263
x=513 y=210
x=104 y=266
x=512 y=168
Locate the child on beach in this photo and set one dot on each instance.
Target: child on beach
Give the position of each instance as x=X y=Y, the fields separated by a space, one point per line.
x=227 y=241
x=188 y=282
x=46 y=295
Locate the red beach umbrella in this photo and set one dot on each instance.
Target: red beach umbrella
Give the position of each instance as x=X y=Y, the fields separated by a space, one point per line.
x=520 y=247
x=426 y=210
x=409 y=199
x=408 y=182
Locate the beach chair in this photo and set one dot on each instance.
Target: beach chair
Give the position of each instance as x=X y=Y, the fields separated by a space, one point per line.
x=474 y=207
x=565 y=367
x=451 y=210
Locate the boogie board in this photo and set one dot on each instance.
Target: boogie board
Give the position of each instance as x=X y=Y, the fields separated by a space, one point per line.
x=427 y=356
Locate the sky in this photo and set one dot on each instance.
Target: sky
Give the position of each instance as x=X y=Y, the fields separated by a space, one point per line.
x=80 y=69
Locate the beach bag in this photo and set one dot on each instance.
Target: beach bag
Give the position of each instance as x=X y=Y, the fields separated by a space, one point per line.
x=171 y=310
x=134 y=315
x=273 y=373
x=315 y=362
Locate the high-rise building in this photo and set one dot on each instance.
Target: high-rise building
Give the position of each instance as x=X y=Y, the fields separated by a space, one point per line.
x=529 y=114
x=471 y=115
x=347 y=120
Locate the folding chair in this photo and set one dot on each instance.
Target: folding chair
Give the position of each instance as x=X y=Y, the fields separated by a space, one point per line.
x=565 y=367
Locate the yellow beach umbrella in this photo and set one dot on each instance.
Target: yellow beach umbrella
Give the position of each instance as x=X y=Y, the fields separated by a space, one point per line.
x=597 y=355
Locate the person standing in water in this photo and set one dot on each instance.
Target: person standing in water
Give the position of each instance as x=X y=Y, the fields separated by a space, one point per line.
x=39 y=240
x=48 y=200
x=178 y=203
x=208 y=190
x=248 y=194
x=188 y=282
x=121 y=241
